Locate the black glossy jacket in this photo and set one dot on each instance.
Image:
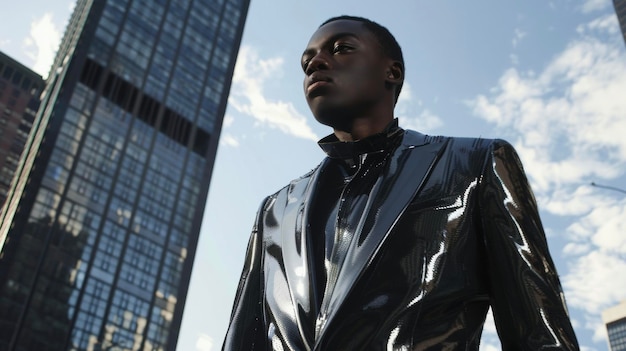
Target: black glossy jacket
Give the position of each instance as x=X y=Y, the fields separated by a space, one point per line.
x=449 y=228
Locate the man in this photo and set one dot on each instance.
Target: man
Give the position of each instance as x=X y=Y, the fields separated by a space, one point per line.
x=397 y=240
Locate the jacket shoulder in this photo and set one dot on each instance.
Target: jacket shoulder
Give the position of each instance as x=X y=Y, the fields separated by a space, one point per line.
x=460 y=144
x=475 y=153
x=302 y=180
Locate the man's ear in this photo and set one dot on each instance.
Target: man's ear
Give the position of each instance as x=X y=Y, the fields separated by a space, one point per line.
x=395 y=73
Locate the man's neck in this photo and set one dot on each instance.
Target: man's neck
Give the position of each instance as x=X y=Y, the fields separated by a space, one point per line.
x=362 y=128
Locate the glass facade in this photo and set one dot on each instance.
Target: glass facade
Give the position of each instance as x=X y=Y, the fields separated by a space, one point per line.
x=19 y=100
x=617 y=335
x=98 y=252
x=614 y=318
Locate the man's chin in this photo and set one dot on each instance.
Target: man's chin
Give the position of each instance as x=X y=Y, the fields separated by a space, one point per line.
x=323 y=109
x=336 y=119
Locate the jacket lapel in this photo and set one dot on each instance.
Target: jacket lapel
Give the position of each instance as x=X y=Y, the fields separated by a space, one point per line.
x=298 y=262
x=405 y=174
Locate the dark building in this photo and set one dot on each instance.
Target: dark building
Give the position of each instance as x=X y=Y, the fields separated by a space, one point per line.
x=615 y=320
x=99 y=231
x=620 y=10
x=19 y=100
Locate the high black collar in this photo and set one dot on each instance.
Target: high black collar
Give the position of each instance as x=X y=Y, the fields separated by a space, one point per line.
x=349 y=150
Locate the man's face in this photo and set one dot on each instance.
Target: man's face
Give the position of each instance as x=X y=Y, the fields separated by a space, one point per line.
x=345 y=73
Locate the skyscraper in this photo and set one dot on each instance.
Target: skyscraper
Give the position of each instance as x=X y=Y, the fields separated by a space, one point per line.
x=615 y=320
x=99 y=234
x=620 y=10
x=20 y=88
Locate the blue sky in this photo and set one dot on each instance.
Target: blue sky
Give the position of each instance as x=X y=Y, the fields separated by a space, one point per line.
x=549 y=76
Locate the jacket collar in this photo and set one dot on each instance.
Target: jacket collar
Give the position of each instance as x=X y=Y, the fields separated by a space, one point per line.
x=348 y=150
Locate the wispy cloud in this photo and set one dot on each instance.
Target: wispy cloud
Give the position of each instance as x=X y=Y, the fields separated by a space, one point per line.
x=517 y=37
x=204 y=343
x=228 y=139
x=228 y=121
x=594 y=5
x=607 y=23
x=567 y=122
x=412 y=114
x=42 y=43
x=594 y=281
x=248 y=95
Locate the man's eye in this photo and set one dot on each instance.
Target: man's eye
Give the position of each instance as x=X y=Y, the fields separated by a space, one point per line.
x=341 y=48
x=305 y=64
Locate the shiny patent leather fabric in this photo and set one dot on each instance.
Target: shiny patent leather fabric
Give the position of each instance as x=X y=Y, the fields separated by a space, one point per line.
x=448 y=228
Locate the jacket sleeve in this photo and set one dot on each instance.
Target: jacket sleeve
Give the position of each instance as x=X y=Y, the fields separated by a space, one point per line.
x=525 y=292
x=246 y=329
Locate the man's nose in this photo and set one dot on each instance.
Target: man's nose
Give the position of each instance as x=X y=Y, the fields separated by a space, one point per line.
x=318 y=62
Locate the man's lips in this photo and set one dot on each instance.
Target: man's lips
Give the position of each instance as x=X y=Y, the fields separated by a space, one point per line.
x=317 y=83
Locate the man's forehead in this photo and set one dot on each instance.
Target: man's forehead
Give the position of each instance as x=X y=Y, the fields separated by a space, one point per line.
x=341 y=27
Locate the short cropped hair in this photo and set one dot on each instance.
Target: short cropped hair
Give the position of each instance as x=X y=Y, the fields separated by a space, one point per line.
x=390 y=46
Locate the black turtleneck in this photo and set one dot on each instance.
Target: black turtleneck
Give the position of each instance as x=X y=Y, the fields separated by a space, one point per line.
x=348 y=165
x=351 y=151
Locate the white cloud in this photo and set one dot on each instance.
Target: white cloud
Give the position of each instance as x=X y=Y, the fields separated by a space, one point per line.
x=204 y=343
x=228 y=121
x=42 y=43
x=567 y=123
x=594 y=5
x=406 y=94
x=576 y=249
x=607 y=23
x=594 y=282
x=248 y=96
x=424 y=121
x=488 y=347
x=490 y=324
x=599 y=330
x=228 y=139
x=604 y=227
